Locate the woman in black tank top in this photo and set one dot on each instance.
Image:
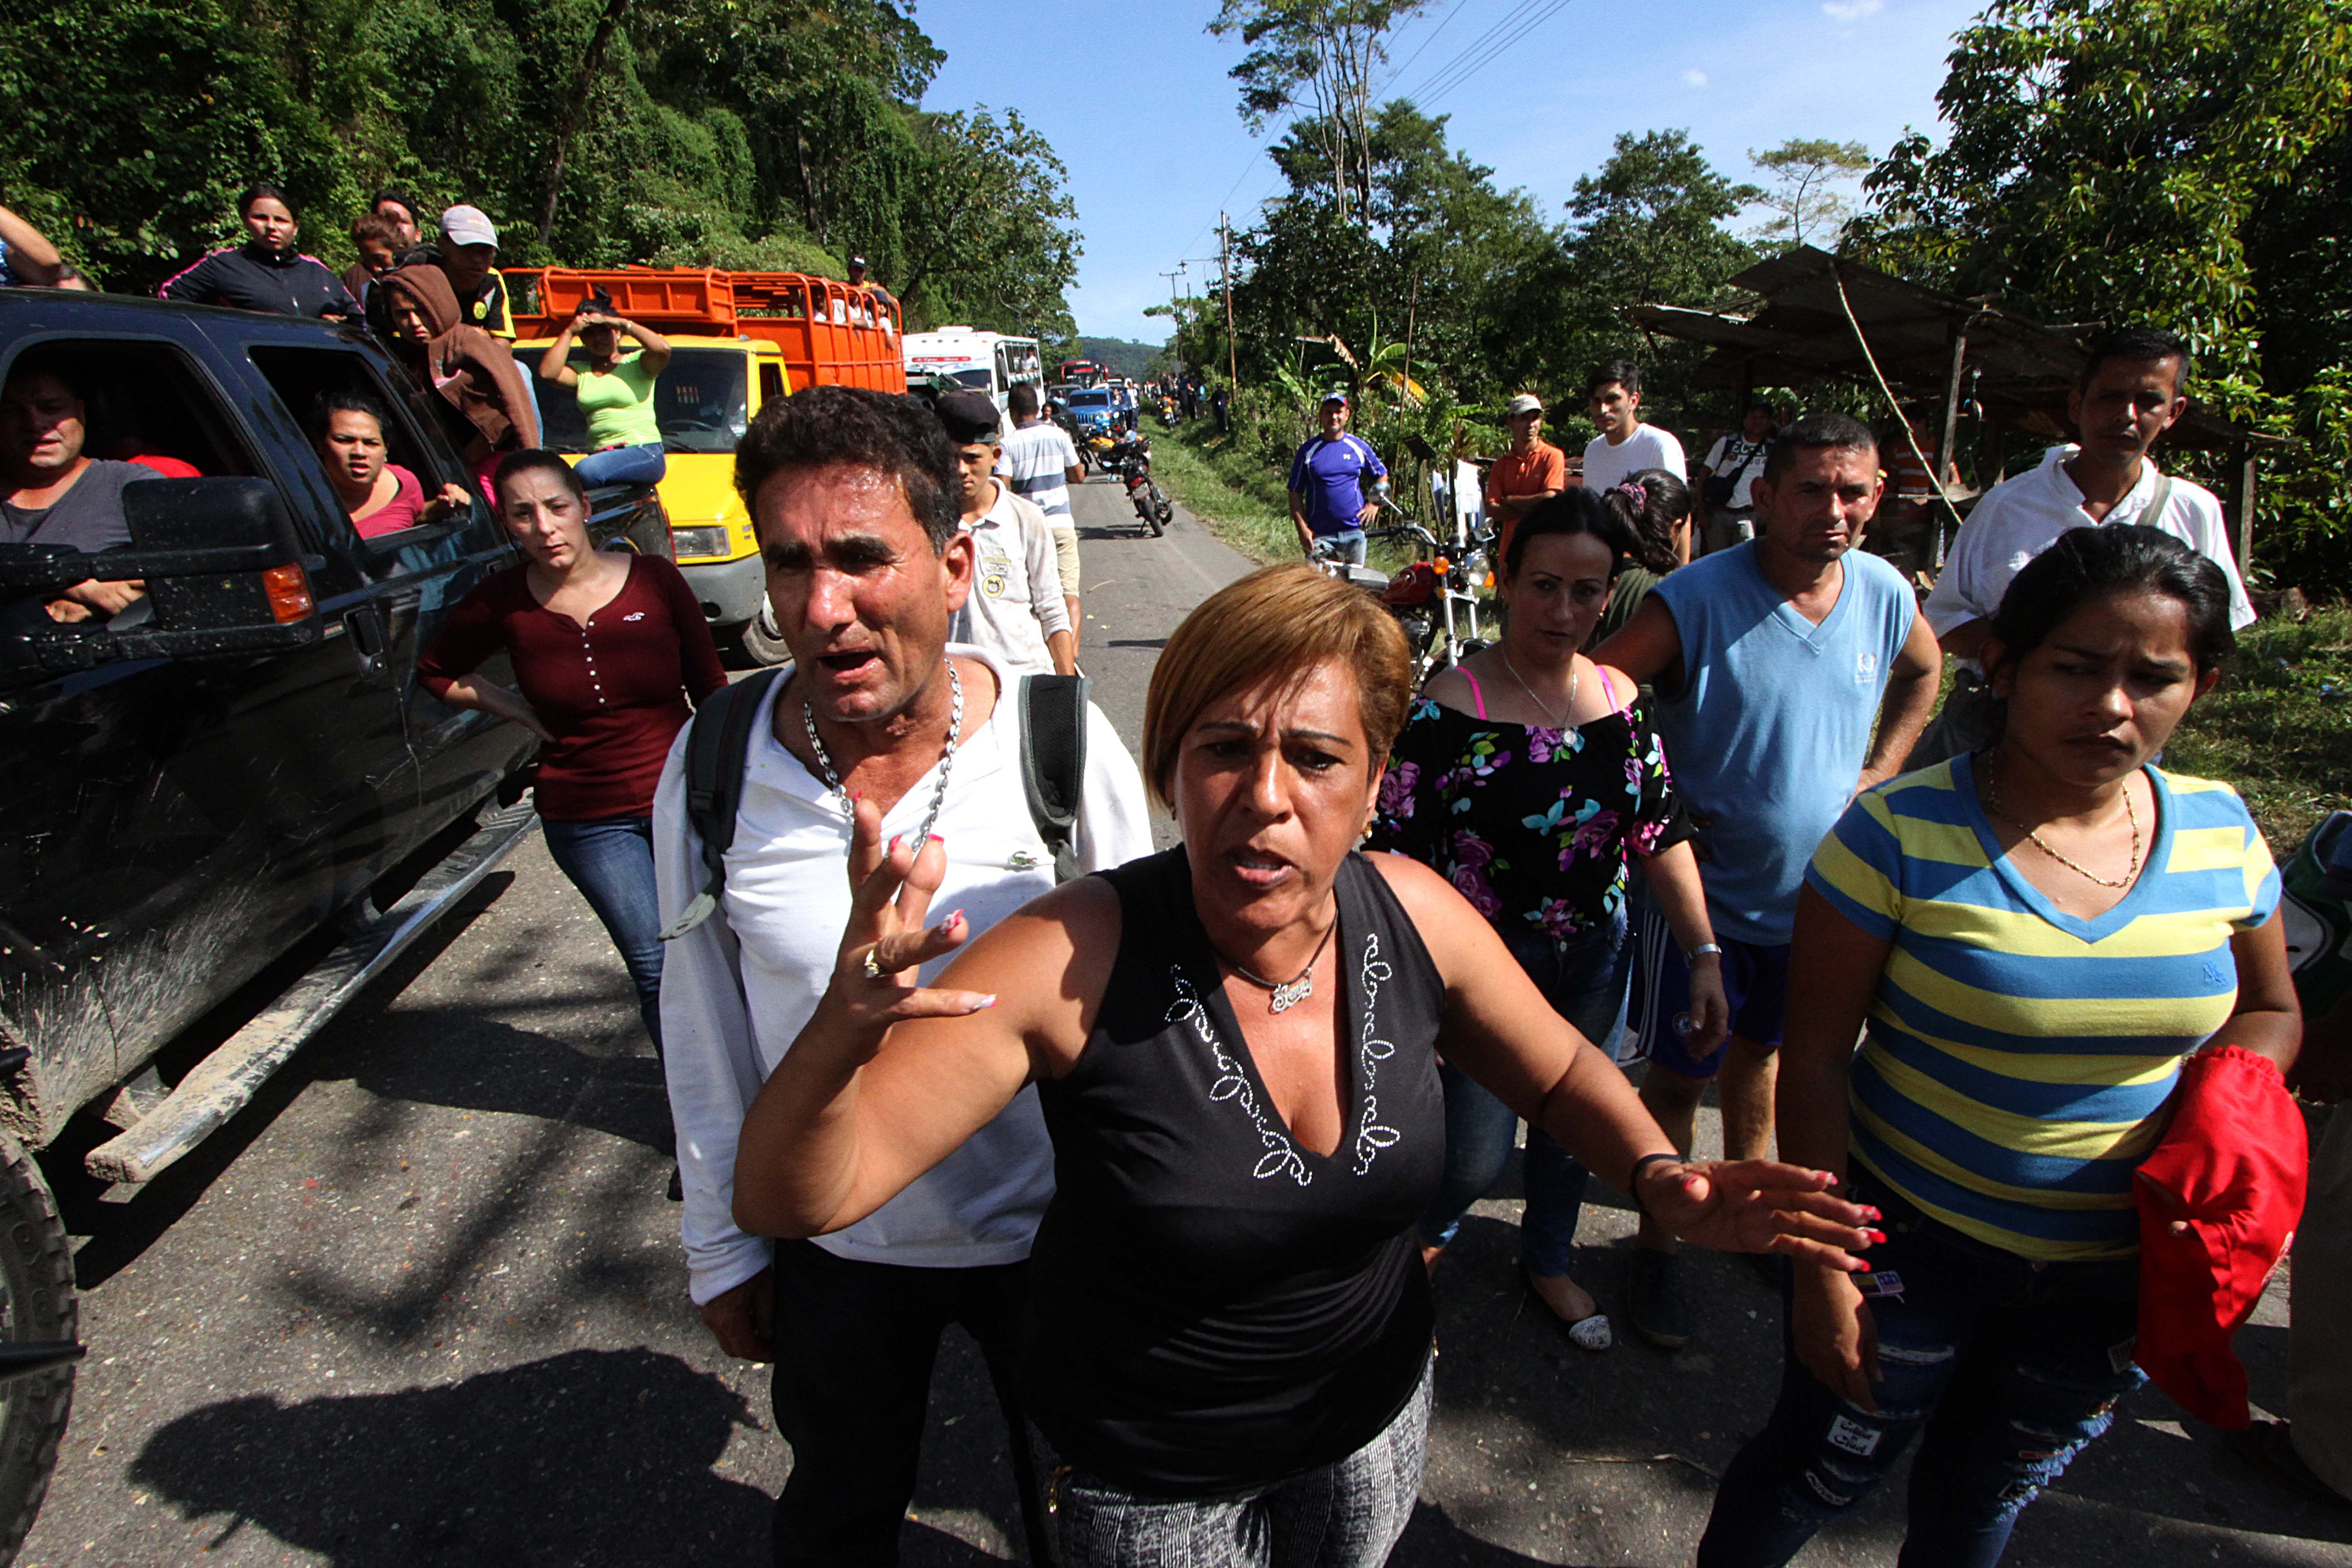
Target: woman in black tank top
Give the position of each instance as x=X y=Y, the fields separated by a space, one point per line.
x=1234 y=1043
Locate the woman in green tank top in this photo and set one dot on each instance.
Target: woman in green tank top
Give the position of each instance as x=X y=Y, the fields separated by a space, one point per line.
x=616 y=395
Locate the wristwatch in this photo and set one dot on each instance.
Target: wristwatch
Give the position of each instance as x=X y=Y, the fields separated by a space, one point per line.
x=1702 y=951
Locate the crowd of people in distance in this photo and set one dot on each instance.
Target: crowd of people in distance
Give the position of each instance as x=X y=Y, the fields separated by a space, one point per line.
x=1181 y=1137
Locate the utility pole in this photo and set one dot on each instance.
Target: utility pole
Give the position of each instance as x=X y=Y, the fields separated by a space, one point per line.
x=1176 y=315
x=1225 y=268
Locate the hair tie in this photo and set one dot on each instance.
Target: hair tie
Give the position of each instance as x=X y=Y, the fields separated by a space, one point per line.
x=1633 y=491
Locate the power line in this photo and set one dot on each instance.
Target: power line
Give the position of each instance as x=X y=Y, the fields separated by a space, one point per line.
x=1516 y=25
x=1474 y=47
x=1451 y=12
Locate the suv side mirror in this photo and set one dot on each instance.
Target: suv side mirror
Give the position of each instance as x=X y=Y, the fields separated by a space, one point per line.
x=223 y=572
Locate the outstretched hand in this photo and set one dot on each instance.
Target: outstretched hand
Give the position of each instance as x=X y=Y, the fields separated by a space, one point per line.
x=1760 y=1206
x=885 y=942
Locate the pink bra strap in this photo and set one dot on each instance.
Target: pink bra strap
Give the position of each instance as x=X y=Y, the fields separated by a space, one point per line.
x=1477 y=695
x=1608 y=687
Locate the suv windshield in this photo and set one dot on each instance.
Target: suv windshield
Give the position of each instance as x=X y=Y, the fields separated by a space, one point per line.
x=1092 y=399
x=699 y=403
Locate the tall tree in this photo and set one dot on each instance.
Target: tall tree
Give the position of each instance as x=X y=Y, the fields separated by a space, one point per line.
x=1321 y=56
x=1806 y=173
x=996 y=242
x=2176 y=163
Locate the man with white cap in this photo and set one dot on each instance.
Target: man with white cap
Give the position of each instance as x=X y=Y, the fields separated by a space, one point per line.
x=1328 y=505
x=468 y=246
x=1532 y=470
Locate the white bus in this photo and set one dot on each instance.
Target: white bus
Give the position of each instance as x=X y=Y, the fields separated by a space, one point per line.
x=984 y=361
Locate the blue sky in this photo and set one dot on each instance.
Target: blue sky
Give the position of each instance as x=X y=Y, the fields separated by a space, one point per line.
x=1133 y=94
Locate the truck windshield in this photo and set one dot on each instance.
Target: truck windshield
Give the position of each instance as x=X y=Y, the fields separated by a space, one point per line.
x=699 y=403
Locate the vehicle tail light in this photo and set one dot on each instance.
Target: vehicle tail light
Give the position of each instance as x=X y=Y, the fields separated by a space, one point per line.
x=289 y=594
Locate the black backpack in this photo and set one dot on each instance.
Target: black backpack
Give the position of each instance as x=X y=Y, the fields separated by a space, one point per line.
x=1052 y=773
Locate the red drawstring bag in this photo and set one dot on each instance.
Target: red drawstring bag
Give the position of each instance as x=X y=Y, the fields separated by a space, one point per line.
x=2233 y=1166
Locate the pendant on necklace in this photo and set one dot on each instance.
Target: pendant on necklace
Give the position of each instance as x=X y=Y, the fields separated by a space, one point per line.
x=1284 y=997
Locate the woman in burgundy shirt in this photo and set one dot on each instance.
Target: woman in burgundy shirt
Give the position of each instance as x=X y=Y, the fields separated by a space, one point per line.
x=607 y=647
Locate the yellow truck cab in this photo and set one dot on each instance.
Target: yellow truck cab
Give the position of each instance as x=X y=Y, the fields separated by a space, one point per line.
x=738 y=340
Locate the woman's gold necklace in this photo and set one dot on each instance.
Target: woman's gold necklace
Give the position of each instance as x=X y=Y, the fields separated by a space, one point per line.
x=1992 y=800
x=1574 y=675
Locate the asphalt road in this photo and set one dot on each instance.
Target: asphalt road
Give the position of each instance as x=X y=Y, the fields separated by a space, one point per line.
x=423 y=1303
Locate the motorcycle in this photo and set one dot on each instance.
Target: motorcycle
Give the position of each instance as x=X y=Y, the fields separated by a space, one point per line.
x=1434 y=598
x=1129 y=455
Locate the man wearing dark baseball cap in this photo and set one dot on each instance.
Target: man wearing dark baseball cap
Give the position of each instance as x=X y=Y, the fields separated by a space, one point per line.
x=858 y=279
x=1016 y=610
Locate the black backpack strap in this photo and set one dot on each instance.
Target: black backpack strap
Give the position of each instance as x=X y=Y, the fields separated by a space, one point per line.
x=718 y=742
x=1054 y=762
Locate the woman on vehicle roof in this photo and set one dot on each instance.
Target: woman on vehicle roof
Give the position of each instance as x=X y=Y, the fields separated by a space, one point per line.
x=615 y=393
x=265 y=273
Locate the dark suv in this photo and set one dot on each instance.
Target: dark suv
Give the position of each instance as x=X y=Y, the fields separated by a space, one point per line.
x=194 y=787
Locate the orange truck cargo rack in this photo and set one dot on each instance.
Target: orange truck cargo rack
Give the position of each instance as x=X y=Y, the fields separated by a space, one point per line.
x=830 y=334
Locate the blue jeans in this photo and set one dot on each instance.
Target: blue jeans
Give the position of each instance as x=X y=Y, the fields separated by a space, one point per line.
x=2009 y=1366
x=1583 y=978
x=611 y=861
x=643 y=465
x=1346 y=545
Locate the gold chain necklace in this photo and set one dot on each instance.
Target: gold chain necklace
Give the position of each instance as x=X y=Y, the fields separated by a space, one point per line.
x=1992 y=801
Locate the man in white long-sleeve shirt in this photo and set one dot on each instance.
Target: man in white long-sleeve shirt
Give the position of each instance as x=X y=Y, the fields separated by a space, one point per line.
x=854 y=497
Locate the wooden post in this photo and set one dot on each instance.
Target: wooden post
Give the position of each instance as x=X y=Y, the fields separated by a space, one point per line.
x=1225 y=265
x=2245 y=531
x=1943 y=454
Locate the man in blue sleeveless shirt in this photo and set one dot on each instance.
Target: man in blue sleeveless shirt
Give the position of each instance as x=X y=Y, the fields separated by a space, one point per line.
x=1770 y=661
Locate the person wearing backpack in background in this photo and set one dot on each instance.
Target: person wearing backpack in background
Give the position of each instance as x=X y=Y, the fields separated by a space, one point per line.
x=1732 y=465
x=855 y=495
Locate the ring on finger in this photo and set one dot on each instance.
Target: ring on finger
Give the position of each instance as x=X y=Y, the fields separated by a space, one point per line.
x=872 y=966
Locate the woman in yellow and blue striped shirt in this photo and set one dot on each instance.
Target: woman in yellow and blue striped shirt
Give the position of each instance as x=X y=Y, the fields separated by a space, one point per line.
x=2036 y=934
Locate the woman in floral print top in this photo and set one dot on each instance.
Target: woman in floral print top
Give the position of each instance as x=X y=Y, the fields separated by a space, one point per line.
x=1533 y=781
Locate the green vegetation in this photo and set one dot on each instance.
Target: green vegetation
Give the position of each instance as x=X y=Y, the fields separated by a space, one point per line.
x=2182 y=163
x=594 y=132
x=2279 y=726
x=1238 y=496
x=1120 y=356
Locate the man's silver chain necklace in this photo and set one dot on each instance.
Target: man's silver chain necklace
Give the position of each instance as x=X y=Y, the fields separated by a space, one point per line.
x=947 y=757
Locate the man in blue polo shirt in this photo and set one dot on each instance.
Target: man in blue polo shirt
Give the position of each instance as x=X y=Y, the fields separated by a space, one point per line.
x=1326 y=487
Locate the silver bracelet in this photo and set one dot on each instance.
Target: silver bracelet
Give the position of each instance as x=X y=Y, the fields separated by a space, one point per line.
x=1702 y=951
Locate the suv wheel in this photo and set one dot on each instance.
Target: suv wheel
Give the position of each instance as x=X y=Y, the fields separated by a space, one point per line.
x=37 y=1302
x=762 y=643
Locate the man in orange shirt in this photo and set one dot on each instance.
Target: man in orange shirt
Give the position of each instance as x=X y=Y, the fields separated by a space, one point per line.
x=1532 y=470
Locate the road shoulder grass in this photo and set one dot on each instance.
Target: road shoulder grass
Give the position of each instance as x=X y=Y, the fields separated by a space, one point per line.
x=1240 y=498
x=2279 y=726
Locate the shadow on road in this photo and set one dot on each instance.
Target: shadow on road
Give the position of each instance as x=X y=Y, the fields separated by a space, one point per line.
x=593 y=1457
x=2158 y=1479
